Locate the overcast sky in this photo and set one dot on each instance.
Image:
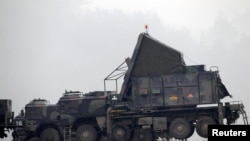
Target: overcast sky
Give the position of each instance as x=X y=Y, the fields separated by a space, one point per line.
x=48 y=46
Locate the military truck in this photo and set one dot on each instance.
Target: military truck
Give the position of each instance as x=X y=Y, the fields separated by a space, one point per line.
x=74 y=111
x=160 y=96
x=166 y=98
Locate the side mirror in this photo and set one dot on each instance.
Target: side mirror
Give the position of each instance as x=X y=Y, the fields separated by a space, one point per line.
x=22 y=113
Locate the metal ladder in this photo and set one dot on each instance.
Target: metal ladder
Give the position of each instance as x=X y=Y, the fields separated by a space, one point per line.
x=240 y=107
x=67 y=133
x=244 y=115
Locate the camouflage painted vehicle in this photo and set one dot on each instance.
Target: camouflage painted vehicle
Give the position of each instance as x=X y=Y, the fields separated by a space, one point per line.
x=160 y=97
x=39 y=118
x=76 y=116
x=84 y=114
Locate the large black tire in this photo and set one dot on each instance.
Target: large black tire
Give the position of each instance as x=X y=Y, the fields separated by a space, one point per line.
x=34 y=139
x=143 y=135
x=202 y=126
x=180 y=128
x=50 y=134
x=120 y=132
x=86 y=132
x=192 y=130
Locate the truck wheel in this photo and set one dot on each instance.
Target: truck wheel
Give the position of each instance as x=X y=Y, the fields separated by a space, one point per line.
x=180 y=128
x=86 y=132
x=34 y=139
x=120 y=132
x=192 y=131
x=202 y=126
x=50 y=134
x=143 y=135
